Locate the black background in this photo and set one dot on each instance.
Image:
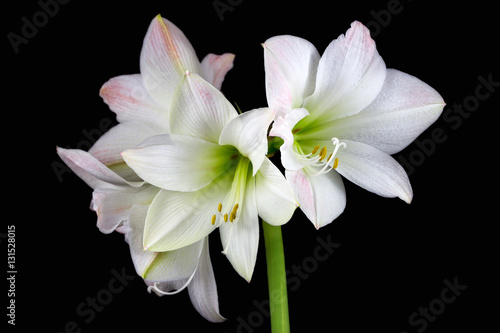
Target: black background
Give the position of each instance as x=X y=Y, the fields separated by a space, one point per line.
x=393 y=257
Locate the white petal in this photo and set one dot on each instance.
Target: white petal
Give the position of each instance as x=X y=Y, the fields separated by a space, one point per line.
x=240 y=238
x=173 y=265
x=159 y=266
x=182 y=163
x=248 y=133
x=124 y=136
x=91 y=170
x=129 y=99
x=203 y=289
x=113 y=205
x=290 y=64
x=374 y=170
x=275 y=200
x=350 y=75
x=199 y=109
x=283 y=127
x=166 y=55
x=322 y=198
x=178 y=219
x=215 y=68
x=403 y=109
x=140 y=258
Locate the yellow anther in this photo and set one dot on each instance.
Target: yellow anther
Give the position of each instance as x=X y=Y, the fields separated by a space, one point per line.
x=213 y=220
x=335 y=163
x=225 y=217
x=232 y=216
x=220 y=207
x=329 y=157
x=235 y=208
x=322 y=154
x=315 y=149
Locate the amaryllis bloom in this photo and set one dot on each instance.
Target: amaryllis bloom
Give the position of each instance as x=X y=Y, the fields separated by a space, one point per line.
x=343 y=113
x=142 y=103
x=213 y=172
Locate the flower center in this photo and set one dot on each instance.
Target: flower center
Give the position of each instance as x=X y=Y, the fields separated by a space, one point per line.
x=318 y=160
x=233 y=199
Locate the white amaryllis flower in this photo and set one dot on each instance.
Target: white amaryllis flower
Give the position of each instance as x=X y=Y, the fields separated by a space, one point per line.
x=343 y=113
x=142 y=103
x=213 y=172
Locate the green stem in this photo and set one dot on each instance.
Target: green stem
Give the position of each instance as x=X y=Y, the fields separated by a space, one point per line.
x=276 y=276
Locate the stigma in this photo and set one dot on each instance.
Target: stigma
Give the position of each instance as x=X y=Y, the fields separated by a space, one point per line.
x=319 y=160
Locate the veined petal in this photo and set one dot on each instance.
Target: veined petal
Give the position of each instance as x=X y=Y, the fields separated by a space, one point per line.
x=350 y=75
x=129 y=99
x=199 y=109
x=240 y=238
x=180 y=163
x=374 y=170
x=140 y=258
x=173 y=265
x=91 y=170
x=215 y=68
x=322 y=198
x=248 y=133
x=275 y=200
x=178 y=219
x=159 y=266
x=124 y=136
x=203 y=289
x=166 y=55
x=113 y=205
x=403 y=109
x=290 y=64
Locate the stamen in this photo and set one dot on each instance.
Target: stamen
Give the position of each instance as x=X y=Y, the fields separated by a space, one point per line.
x=322 y=154
x=335 y=163
x=231 y=216
x=319 y=160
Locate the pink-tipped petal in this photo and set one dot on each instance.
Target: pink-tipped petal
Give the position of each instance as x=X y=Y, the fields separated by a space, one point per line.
x=350 y=75
x=322 y=198
x=215 y=68
x=129 y=99
x=91 y=170
x=166 y=55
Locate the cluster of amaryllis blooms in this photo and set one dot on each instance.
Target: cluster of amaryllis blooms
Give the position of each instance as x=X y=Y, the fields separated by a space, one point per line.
x=183 y=162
